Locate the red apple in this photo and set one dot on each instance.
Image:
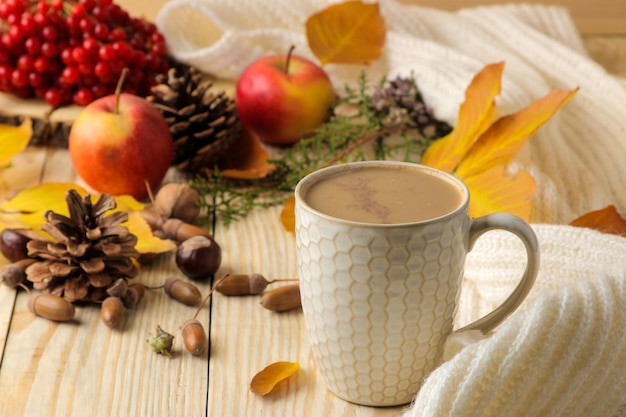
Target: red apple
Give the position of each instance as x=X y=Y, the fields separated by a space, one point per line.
x=116 y=147
x=281 y=97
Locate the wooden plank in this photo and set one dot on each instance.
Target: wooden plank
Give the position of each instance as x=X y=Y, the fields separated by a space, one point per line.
x=84 y=368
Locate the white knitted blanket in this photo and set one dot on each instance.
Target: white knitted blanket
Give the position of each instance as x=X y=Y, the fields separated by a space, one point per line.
x=564 y=352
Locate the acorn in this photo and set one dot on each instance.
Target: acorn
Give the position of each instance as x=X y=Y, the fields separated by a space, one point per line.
x=283 y=298
x=134 y=294
x=112 y=311
x=183 y=291
x=14 y=274
x=243 y=284
x=51 y=307
x=194 y=337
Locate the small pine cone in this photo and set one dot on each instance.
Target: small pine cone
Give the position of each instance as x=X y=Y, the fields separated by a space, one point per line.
x=89 y=252
x=204 y=124
x=401 y=102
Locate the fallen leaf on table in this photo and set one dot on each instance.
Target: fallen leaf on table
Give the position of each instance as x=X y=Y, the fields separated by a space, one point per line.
x=246 y=159
x=288 y=216
x=478 y=149
x=146 y=241
x=27 y=209
x=13 y=140
x=41 y=198
x=606 y=220
x=265 y=381
x=351 y=32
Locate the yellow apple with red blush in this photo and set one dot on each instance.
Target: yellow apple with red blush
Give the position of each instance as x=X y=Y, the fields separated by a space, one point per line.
x=280 y=98
x=118 y=143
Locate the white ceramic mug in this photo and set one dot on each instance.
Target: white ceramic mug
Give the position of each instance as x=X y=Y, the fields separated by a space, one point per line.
x=379 y=299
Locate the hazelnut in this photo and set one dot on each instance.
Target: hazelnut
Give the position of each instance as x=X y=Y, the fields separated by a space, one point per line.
x=13 y=244
x=199 y=257
x=178 y=201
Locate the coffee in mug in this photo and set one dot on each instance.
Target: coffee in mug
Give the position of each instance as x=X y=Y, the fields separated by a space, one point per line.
x=381 y=248
x=385 y=195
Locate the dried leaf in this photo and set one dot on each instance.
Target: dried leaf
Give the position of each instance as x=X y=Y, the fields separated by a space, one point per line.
x=288 y=216
x=607 y=220
x=351 y=32
x=265 y=381
x=246 y=159
x=13 y=140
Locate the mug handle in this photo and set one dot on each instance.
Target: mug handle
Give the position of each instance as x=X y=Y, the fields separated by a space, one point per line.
x=521 y=229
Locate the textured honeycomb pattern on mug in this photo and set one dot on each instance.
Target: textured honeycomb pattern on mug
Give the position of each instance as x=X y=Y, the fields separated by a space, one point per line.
x=378 y=302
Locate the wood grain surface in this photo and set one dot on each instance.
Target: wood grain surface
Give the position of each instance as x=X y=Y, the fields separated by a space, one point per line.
x=83 y=368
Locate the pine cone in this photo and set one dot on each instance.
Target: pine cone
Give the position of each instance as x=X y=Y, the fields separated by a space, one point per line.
x=402 y=103
x=203 y=124
x=91 y=251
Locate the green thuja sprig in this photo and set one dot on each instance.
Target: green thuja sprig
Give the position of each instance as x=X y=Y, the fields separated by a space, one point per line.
x=356 y=131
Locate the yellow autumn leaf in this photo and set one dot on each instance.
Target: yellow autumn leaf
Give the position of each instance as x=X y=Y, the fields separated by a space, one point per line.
x=288 y=216
x=28 y=208
x=351 y=32
x=478 y=148
x=476 y=114
x=146 y=241
x=506 y=137
x=494 y=190
x=265 y=381
x=40 y=197
x=13 y=140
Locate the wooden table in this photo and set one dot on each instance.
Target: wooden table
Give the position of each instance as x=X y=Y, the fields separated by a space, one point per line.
x=83 y=368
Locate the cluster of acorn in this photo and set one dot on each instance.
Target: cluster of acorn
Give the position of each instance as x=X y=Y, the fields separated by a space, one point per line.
x=198 y=256
x=283 y=298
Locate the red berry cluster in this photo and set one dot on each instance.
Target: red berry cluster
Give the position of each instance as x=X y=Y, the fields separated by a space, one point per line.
x=74 y=51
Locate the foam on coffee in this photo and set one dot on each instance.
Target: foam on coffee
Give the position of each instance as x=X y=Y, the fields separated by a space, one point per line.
x=385 y=195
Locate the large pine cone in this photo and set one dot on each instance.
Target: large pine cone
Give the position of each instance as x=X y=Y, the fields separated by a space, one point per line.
x=204 y=124
x=90 y=251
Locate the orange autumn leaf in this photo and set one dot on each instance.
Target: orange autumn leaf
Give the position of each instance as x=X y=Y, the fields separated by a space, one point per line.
x=265 y=381
x=288 y=216
x=606 y=220
x=506 y=137
x=494 y=190
x=476 y=113
x=351 y=32
x=246 y=159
